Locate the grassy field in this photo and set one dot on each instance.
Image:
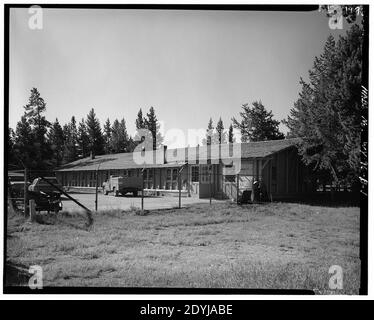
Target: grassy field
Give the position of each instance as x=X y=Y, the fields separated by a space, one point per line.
x=275 y=245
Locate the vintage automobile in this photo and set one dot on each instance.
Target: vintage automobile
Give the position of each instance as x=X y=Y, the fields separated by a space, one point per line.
x=122 y=185
x=50 y=202
x=39 y=185
x=47 y=198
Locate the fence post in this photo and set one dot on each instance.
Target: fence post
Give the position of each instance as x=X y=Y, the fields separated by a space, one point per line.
x=223 y=184
x=97 y=187
x=32 y=210
x=142 y=190
x=25 y=193
x=237 y=188
x=210 y=184
x=179 y=187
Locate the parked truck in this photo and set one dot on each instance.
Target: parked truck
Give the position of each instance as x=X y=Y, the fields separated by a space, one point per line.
x=121 y=185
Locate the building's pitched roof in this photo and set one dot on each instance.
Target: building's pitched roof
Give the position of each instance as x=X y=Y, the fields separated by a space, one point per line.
x=179 y=156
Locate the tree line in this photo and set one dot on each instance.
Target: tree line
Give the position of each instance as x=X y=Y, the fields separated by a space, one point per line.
x=256 y=124
x=39 y=144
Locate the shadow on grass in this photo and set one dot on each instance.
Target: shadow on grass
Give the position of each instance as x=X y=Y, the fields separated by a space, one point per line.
x=16 y=274
x=76 y=221
x=328 y=199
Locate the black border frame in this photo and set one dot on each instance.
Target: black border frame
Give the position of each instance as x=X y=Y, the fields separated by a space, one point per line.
x=129 y=290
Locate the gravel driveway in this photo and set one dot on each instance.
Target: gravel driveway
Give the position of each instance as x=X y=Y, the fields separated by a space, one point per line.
x=110 y=202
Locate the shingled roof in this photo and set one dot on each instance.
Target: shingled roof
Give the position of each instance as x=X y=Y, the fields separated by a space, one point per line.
x=179 y=156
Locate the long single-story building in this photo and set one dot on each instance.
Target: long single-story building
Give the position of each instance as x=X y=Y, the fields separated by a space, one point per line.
x=222 y=171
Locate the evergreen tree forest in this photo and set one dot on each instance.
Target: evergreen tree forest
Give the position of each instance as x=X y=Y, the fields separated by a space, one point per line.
x=38 y=144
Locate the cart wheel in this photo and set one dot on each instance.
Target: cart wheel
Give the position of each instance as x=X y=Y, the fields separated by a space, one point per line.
x=106 y=192
x=115 y=192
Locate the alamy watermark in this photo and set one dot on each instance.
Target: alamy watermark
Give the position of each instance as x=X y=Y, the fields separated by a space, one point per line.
x=36 y=280
x=336 y=280
x=217 y=151
x=36 y=18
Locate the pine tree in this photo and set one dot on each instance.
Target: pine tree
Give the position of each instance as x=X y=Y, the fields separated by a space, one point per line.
x=56 y=141
x=34 y=111
x=83 y=140
x=231 y=134
x=327 y=115
x=209 y=133
x=96 y=140
x=140 y=125
x=70 y=141
x=107 y=136
x=220 y=132
x=12 y=160
x=124 y=136
x=139 y=122
x=119 y=140
x=131 y=144
x=23 y=144
x=257 y=124
x=151 y=123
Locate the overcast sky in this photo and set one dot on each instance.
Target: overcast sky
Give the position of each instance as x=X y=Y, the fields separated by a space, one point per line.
x=188 y=65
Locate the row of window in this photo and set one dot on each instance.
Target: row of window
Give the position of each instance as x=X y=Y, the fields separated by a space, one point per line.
x=89 y=178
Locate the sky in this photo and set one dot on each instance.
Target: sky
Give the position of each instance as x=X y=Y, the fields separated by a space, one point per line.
x=188 y=65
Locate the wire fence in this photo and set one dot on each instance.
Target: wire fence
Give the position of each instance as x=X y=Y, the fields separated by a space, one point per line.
x=53 y=193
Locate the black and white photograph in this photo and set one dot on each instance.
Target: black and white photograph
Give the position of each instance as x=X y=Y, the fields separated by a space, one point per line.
x=186 y=149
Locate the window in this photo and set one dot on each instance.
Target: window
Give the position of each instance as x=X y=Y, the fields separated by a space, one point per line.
x=168 y=179
x=175 y=174
x=175 y=179
x=195 y=174
x=171 y=179
x=205 y=174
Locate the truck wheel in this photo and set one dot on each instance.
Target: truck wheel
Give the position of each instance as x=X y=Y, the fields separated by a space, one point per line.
x=135 y=193
x=115 y=192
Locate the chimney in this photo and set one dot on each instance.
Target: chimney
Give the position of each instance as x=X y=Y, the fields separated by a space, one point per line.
x=197 y=153
x=165 y=147
x=92 y=155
